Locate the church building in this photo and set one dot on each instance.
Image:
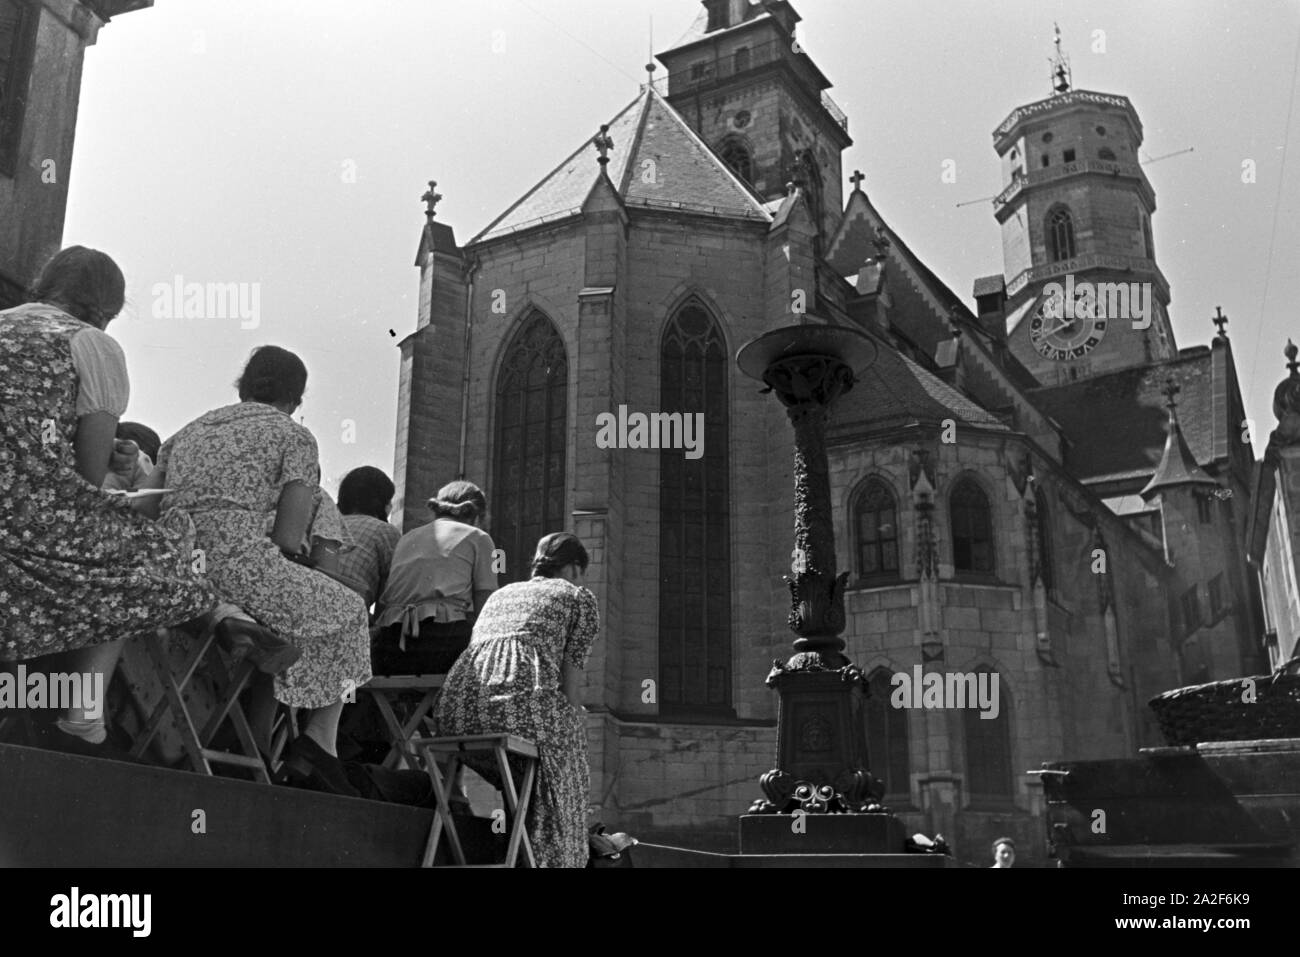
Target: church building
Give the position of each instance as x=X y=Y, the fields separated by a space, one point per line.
x=1038 y=485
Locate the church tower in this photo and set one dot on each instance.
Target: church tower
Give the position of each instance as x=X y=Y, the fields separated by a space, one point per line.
x=1084 y=294
x=743 y=82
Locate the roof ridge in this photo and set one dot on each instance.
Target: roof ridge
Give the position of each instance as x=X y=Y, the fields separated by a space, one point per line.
x=547 y=178
x=712 y=156
x=626 y=178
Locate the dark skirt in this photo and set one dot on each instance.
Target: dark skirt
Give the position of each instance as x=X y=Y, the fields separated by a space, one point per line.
x=433 y=652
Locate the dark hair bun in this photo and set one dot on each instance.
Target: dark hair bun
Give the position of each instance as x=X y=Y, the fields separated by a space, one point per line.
x=272 y=375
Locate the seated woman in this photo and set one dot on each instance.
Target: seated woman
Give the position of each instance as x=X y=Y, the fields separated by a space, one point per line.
x=233 y=470
x=79 y=570
x=522 y=674
x=365 y=499
x=440 y=578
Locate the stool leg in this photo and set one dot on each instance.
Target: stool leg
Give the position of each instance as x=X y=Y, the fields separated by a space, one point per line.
x=518 y=810
x=173 y=701
x=395 y=732
x=442 y=813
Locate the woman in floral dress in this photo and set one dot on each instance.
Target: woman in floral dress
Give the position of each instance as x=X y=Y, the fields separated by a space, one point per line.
x=79 y=569
x=238 y=471
x=522 y=674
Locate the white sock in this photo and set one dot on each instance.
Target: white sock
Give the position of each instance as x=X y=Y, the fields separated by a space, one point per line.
x=92 y=730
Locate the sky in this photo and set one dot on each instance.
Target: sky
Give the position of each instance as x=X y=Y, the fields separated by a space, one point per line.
x=283 y=146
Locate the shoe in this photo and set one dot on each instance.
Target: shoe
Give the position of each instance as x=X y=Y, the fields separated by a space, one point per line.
x=308 y=765
x=50 y=737
x=269 y=651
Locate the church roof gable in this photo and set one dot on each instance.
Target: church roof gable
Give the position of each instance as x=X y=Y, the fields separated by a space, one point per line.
x=657 y=161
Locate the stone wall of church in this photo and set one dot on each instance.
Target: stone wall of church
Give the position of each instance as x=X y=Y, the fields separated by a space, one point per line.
x=1080 y=708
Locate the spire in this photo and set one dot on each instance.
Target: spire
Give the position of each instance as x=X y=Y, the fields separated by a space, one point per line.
x=1061 y=78
x=1178 y=465
x=603 y=145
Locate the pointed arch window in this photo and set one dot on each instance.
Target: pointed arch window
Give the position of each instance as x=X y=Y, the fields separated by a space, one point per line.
x=1044 y=523
x=694 y=522
x=531 y=418
x=887 y=742
x=875 y=531
x=972 y=528
x=1060 y=235
x=988 y=749
x=739 y=160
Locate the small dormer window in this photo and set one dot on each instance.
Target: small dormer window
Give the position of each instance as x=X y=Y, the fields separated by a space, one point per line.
x=717 y=14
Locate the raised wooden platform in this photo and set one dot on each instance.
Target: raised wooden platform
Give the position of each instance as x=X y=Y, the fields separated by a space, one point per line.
x=65 y=811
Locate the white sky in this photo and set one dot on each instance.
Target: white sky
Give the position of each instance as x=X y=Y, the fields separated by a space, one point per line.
x=213 y=138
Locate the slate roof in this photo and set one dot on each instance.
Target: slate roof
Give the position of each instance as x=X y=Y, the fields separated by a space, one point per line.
x=1118 y=423
x=895 y=391
x=1177 y=467
x=650 y=137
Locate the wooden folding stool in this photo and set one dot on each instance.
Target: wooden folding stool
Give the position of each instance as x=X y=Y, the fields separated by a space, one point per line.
x=383 y=688
x=229 y=681
x=502 y=747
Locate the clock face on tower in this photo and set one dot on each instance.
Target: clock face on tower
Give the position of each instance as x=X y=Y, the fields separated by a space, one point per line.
x=1065 y=331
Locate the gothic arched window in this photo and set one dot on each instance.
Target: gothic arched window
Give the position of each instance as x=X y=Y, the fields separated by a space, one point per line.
x=1147 y=242
x=695 y=521
x=972 y=528
x=875 y=531
x=531 y=435
x=736 y=155
x=1060 y=235
x=1044 y=522
x=988 y=747
x=887 y=746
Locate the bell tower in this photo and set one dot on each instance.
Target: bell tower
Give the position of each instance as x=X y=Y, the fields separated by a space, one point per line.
x=746 y=86
x=1084 y=292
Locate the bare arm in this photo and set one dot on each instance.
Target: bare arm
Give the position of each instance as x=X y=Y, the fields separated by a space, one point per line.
x=480 y=598
x=571 y=683
x=93 y=445
x=292 y=517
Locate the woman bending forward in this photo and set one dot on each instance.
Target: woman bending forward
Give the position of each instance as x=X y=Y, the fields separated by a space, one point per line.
x=521 y=674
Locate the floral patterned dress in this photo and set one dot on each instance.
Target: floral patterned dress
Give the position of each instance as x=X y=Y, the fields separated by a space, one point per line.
x=78 y=567
x=226 y=470
x=508 y=681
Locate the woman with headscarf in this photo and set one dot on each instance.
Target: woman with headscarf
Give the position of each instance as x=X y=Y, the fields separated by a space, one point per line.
x=439 y=579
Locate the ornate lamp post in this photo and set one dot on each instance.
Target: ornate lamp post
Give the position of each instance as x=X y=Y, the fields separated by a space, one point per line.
x=821 y=740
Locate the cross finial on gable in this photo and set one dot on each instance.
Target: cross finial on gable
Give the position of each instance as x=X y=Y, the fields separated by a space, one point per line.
x=856 y=179
x=603 y=145
x=1291 y=364
x=1220 y=320
x=430 y=198
x=1170 y=390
